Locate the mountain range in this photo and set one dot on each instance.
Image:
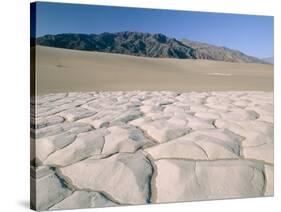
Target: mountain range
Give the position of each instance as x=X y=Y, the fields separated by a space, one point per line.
x=212 y=52
x=269 y=60
x=145 y=44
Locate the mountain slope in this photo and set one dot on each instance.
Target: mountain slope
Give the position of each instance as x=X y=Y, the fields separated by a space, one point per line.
x=269 y=60
x=131 y=43
x=212 y=52
x=144 y=44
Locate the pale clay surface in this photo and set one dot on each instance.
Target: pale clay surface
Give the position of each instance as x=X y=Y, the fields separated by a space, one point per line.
x=97 y=149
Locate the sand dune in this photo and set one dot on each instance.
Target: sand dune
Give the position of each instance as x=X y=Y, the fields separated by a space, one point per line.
x=61 y=70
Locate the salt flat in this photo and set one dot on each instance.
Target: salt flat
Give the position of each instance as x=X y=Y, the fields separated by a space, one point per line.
x=62 y=70
x=96 y=149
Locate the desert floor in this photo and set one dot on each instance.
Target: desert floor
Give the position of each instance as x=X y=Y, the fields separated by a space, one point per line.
x=97 y=149
x=108 y=148
x=61 y=70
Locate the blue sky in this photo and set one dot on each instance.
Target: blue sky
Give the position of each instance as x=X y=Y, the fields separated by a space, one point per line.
x=250 y=34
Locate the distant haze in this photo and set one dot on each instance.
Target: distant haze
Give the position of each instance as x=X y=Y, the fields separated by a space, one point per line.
x=269 y=60
x=250 y=34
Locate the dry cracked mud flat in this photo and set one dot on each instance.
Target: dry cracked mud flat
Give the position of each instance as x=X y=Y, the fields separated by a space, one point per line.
x=100 y=149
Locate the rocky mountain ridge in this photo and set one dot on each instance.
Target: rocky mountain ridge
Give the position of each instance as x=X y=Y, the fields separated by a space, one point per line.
x=145 y=44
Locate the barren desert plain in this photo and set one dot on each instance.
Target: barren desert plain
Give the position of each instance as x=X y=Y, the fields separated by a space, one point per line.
x=64 y=70
x=111 y=129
